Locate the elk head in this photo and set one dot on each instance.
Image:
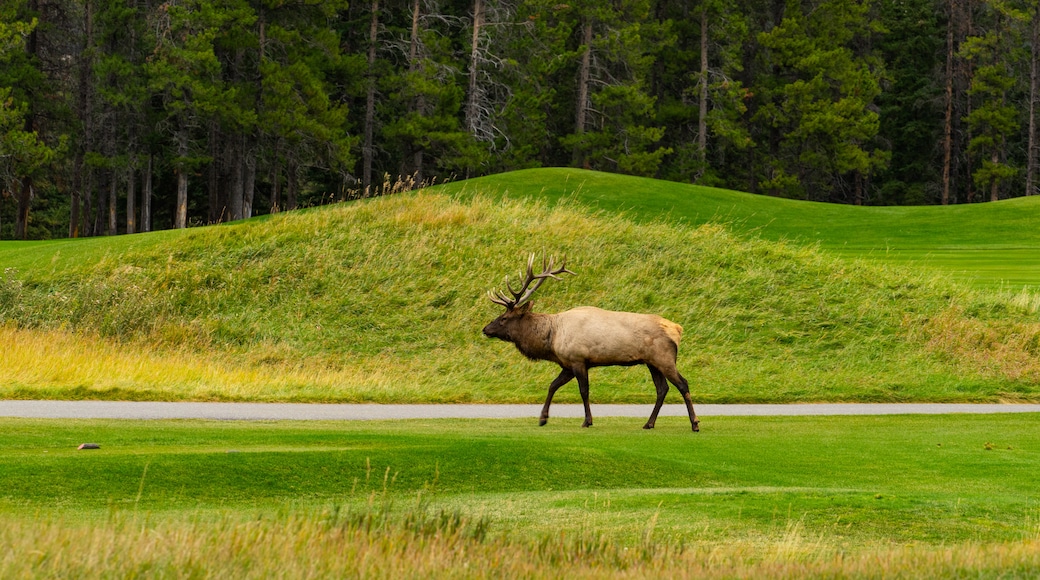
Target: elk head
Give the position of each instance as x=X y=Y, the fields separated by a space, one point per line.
x=504 y=327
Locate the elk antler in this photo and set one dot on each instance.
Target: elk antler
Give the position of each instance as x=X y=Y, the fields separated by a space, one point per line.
x=524 y=293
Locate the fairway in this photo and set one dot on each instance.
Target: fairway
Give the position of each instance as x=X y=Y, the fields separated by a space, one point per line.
x=852 y=481
x=988 y=245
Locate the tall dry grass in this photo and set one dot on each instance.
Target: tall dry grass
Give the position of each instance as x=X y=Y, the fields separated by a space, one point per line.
x=61 y=364
x=345 y=545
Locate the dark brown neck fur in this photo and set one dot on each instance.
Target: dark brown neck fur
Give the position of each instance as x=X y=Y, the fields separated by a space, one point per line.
x=534 y=336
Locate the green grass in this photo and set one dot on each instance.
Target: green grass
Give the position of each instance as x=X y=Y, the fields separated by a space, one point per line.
x=813 y=486
x=990 y=245
x=383 y=301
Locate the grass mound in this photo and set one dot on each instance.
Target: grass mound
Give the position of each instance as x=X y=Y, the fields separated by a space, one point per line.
x=383 y=301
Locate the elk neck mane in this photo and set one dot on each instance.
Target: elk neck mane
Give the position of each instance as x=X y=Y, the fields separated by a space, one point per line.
x=534 y=339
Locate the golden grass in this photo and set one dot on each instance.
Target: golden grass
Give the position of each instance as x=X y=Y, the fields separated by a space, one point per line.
x=66 y=364
x=330 y=545
x=1003 y=348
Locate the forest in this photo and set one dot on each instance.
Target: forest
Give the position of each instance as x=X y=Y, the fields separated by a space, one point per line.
x=124 y=116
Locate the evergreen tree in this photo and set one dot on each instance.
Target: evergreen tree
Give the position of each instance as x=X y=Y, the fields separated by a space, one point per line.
x=822 y=102
x=994 y=119
x=24 y=152
x=614 y=126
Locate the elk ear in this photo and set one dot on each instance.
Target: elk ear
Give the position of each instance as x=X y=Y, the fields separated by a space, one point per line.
x=524 y=308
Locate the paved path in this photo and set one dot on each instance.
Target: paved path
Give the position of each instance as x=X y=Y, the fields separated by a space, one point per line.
x=351 y=412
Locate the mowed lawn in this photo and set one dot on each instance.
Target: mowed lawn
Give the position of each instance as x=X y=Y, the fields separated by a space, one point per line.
x=845 y=481
x=990 y=245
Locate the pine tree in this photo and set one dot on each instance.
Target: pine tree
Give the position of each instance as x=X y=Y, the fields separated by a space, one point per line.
x=822 y=102
x=24 y=154
x=994 y=119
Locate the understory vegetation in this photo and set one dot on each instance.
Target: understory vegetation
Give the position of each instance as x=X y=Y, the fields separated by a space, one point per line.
x=383 y=300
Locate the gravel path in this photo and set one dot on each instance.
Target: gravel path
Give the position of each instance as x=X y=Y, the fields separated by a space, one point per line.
x=352 y=412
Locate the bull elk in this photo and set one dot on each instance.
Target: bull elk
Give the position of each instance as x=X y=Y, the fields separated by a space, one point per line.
x=587 y=337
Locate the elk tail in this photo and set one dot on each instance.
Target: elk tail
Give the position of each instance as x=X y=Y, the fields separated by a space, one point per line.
x=672 y=330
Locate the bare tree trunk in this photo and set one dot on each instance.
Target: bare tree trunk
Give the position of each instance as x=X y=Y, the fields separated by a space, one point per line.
x=88 y=203
x=146 y=198
x=291 y=185
x=77 y=186
x=83 y=112
x=21 y=222
x=370 y=102
x=948 y=120
x=584 y=74
x=248 y=182
x=131 y=202
x=276 y=185
x=420 y=101
x=113 y=198
x=237 y=185
x=702 y=121
x=1033 y=147
x=968 y=74
x=215 y=211
x=180 y=216
x=474 y=56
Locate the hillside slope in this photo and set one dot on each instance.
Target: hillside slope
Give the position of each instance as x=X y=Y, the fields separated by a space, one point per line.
x=383 y=300
x=991 y=245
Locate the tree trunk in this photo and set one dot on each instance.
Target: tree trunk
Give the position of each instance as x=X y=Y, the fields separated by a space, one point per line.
x=216 y=209
x=1033 y=148
x=248 y=182
x=146 y=198
x=113 y=198
x=237 y=185
x=702 y=120
x=948 y=120
x=474 y=55
x=131 y=202
x=584 y=74
x=420 y=101
x=370 y=102
x=276 y=186
x=83 y=113
x=88 y=203
x=77 y=186
x=21 y=222
x=290 y=186
x=180 y=216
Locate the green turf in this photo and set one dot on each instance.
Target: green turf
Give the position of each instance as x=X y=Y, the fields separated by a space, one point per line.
x=993 y=245
x=857 y=479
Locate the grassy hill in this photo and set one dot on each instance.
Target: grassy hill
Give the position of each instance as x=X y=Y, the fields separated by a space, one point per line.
x=383 y=300
x=991 y=245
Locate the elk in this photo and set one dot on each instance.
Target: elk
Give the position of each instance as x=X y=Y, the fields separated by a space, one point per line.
x=586 y=337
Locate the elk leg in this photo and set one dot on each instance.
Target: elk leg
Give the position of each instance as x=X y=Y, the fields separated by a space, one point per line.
x=565 y=376
x=684 y=389
x=582 y=374
x=662 y=389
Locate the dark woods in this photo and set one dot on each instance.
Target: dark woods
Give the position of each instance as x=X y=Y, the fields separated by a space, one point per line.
x=128 y=115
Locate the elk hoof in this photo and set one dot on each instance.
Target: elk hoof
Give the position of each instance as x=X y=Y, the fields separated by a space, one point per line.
x=587 y=424
x=542 y=422
x=696 y=426
x=648 y=426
